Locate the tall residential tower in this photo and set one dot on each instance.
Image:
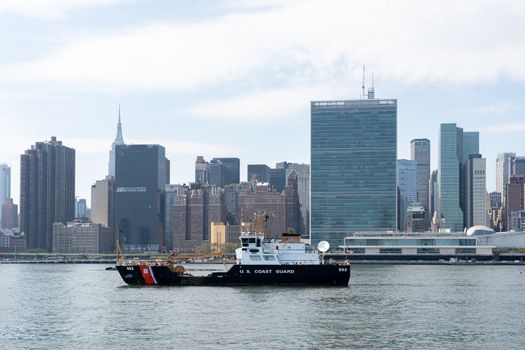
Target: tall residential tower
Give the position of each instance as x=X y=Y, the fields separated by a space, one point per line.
x=47 y=191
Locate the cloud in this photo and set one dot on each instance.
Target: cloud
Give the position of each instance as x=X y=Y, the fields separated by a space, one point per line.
x=49 y=9
x=498 y=108
x=507 y=128
x=306 y=42
x=263 y=106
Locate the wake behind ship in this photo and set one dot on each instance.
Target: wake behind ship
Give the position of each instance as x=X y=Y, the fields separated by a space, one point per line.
x=259 y=261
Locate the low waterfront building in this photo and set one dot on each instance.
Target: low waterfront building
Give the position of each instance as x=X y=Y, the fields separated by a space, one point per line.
x=12 y=241
x=416 y=244
x=81 y=237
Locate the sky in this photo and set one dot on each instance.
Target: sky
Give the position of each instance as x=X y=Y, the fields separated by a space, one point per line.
x=235 y=78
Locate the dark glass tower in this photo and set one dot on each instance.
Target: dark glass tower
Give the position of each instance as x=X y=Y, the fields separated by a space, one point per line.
x=141 y=176
x=231 y=170
x=47 y=191
x=353 y=169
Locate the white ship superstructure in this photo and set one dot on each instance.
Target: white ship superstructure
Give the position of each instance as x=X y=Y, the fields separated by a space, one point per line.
x=256 y=250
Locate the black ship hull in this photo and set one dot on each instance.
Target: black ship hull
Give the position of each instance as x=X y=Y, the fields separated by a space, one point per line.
x=239 y=275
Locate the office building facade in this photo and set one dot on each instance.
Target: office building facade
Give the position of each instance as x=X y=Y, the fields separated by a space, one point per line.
x=192 y=212
x=258 y=173
x=353 y=167
x=103 y=203
x=260 y=200
x=9 y=214
x=478 y=204
x=455 y=147
x=503 y=167
x=142 y=172
x=5 y=185
x=420 y=152
x=231 y=170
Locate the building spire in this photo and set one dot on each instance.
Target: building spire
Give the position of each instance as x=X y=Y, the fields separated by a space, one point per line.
x=119 y=139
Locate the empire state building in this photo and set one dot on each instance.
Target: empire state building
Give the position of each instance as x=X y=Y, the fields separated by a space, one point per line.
x=119 y=140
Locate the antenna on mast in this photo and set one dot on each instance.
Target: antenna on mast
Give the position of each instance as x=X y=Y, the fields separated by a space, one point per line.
x=363 y=86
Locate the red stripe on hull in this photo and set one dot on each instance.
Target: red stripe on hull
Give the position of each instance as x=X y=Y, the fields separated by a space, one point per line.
x=147 y=274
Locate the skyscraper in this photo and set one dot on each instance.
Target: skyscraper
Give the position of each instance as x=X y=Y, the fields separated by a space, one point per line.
x=477 y=204
x=9 y=214
x=192 y=210
x=232 y=168
x=258 y=172
x=119 y=140
x=303 y=184
x=455 y=147
x=102 y=202
x=420 y=152
x=503 y=166
x=5 y=185
x=142 y=172
x=47 y=191
x=202 y=170
x=81 y=209
x=278 y=179
x=406 y=178
x=433 y=195
x=518 y=166
x=353 y=168
x=260 y=200
x=294 y=220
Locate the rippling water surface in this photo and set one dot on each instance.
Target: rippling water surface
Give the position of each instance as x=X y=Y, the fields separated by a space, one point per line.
x=388 y=307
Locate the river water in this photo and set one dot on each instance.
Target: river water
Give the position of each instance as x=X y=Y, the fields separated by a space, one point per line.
x=384 y=307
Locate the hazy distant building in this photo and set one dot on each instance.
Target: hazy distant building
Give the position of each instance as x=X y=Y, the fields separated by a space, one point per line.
x=103 y=202
x=433 y=194
x=420 y=152
x=294 y=220
x=81 y=238
x=518 y=166
x=455 y=147
x=231 y=170
x=517 y=220
x=47 y=191
x=503 y=167
x=5 y=185
x=81 y=209
x=260 y=200
x=477 y=202
x=303 y=186
x=216 y=173
x=278 y=179
x=515 y=199
x=119 y=140
x=231 y=195
x=406 y=179
x=192 y=212
x=9 y=214
x=353 y=167
x=142 y=172
x=259 y=173
x=202 y=170
x=415 y=218
x=170 y=196
x=495 y=200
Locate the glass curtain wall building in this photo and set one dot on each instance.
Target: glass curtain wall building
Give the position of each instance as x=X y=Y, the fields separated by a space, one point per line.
x=353 y=167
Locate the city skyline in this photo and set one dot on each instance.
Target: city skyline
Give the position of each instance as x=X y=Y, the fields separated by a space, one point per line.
x=208 y=98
